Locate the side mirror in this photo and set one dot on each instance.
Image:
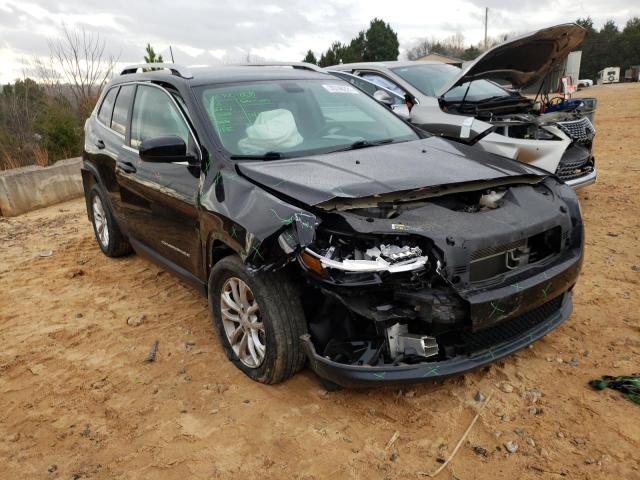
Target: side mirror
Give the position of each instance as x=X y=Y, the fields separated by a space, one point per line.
x=163 y=150
x=383 y=97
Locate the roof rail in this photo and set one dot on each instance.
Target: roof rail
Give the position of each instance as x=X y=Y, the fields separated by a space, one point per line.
x=298 y=65
x=174 y=68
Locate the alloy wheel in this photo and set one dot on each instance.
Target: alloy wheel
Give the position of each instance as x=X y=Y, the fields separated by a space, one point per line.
x=242 y=322
x=100 y=222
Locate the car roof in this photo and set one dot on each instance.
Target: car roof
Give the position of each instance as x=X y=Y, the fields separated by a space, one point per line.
x=390 y=64
x=225 y=74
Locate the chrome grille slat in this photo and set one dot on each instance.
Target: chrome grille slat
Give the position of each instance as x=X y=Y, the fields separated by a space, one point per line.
x=580 y=130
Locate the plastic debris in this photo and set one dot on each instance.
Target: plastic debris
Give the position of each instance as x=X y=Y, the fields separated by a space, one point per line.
x=629 y=385
x=151 y=356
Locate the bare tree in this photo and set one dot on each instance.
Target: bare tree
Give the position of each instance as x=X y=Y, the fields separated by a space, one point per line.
x=452 y=46
x=79 y=61
x=455 y=44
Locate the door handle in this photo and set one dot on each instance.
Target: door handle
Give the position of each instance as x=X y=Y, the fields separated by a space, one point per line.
x=127 y=167
x=100 y=144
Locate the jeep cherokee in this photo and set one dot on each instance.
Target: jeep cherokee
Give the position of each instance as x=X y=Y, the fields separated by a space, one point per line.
x=323 y=227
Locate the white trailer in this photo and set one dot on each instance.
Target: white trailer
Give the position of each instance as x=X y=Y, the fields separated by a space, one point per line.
x=609 y=75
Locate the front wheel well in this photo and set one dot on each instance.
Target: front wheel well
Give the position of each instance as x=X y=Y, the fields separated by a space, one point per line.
x=218 y=251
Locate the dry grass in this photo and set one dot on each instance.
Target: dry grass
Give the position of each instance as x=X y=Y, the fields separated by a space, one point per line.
x=41 y=156
x=7 y=162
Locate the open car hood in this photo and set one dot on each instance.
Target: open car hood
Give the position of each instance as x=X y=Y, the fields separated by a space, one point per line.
x=379 y=171
x=523 y=60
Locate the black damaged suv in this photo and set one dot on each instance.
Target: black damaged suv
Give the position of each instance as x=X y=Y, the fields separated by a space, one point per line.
x=323 y=227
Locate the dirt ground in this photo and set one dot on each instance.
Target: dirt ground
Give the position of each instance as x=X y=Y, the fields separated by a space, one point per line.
x=77 y=400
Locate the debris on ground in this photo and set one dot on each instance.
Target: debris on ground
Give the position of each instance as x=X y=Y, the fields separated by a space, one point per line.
x=136 y=320
x=506 y=387
x=629 y=385
x=152 y=353
x=392 y=440
x=480 y=451
x=46 y=253
x=574 y=362
x=512 y=447
x=77 y=272
x=532 y=395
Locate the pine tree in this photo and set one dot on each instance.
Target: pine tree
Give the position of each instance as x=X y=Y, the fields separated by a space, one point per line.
x=381 y=42
x=151 y=57
x=377 y=44
x=310 y=58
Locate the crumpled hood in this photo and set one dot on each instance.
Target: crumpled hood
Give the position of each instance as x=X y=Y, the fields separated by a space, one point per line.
x=430 y=162
x=523 y=60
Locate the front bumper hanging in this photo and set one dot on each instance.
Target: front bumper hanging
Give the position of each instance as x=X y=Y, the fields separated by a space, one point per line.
x=357 y=376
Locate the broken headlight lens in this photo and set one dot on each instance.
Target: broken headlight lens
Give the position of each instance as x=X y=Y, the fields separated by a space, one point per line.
x=369 y=257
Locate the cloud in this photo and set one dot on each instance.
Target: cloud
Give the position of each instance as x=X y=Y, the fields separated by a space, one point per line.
x=205 y=31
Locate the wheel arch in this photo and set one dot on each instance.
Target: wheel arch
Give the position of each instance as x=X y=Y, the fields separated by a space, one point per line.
x=217 y=250
x=90 y=177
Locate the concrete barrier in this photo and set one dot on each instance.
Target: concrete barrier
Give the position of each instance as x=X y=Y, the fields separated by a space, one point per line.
x=29 y=188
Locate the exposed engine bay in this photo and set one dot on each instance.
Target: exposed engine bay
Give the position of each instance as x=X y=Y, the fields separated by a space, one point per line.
x=560 y=142
x=410 y=295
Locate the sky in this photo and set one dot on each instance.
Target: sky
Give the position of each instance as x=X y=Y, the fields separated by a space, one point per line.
x=217 y=31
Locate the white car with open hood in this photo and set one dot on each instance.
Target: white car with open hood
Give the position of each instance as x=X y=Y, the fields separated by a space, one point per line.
x=468 y=105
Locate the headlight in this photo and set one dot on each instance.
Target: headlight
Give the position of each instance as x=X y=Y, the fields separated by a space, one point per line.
x=380 y=257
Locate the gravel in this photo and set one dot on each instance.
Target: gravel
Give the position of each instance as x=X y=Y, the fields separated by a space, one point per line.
x=512 y=447
x=479 y=396
x=506 y=387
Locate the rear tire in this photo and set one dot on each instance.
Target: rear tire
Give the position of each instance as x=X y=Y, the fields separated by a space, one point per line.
x=108 y=235
x=271 y=317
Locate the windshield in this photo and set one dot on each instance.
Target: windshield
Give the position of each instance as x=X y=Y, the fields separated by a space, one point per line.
x=430 y=78
x=296 y=117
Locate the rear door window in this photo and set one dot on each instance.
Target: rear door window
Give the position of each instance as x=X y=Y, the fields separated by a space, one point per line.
x=121 y=109
x=104 y=114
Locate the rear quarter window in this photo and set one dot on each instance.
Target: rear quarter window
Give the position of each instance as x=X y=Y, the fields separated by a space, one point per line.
x=121 y=109
x=106 y=109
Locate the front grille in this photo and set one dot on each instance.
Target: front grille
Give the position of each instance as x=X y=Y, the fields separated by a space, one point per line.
x=490 y=251
x=568 y=170
x=510 y=328
x=581 y=130
x=492 y=262
x=575 y=162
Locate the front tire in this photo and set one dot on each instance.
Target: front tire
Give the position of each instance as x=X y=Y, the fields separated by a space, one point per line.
x=259 y=320
x=108 y=235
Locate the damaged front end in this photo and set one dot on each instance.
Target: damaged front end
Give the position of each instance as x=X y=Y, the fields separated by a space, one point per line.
x=565 y=138
x=410 y=291
x=416 y=260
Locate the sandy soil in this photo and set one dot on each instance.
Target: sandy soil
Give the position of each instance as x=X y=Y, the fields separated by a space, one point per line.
x=77 y=400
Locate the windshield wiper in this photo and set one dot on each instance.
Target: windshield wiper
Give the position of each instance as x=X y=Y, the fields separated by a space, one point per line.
x=363 y=144
x=263 y=156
